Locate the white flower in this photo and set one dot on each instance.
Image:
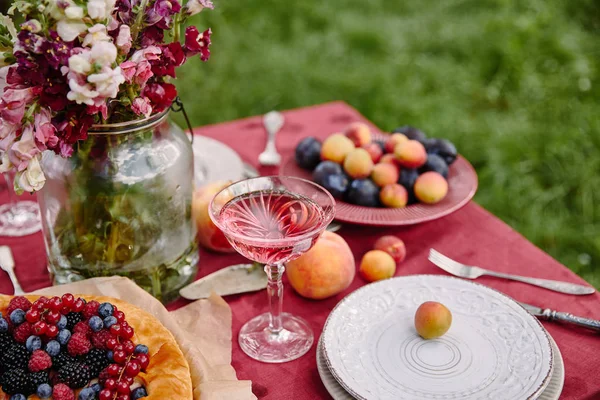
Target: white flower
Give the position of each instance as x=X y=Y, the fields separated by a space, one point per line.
x=32 y=179
x=97 y=33
x=100 y=9
x=74 y=12
x=81 y=93
x=80 y=63
x=107 y=82
x=124 y=39
x=195 y=6
x=104 y=53
x=68 y=30
x=5 y=164
x=10 y=26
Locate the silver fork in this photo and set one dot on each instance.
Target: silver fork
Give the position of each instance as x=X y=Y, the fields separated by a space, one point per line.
x=7 y=263
x=472 y=272
x=273 y=122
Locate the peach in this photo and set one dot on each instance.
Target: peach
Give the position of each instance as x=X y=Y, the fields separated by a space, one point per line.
x=393 y=195
x=336 y=147
x=209 y=235
x=392 y=245
x=359 y=133
x=432 y=320
x=377 y=265
x=325 y=270
x=394 y=140
x=430 y=187
x=358 y=164
x=389 y=158
x=374 y=151
x=410 y=154
x=385 y=174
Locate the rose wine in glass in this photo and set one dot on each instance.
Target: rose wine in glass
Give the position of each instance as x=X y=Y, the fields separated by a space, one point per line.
x=273 y=220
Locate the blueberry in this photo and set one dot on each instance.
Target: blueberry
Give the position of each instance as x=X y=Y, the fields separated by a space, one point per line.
x=308 y=153
x=105 y=310
x=33 y=343
x=96 y=323
x=63 y=337
x=138 y=393
x=411 y=132
x=435 y=163
x=53 y=348
x=3 y=325
x=18 y=397
x=363 y=192
x=325 y=169
x=44 y=391
x=109 y=355
x=141 y=349
x=109 y=321
x=17 y=317
x=96 y=387
x=62 y=322
x=87 y=394
x=443 y=148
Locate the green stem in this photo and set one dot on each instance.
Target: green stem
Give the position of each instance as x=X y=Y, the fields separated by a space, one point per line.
x=137 y=26
x=176 y=29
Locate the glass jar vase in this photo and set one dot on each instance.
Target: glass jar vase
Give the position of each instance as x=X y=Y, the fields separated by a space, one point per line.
x=122 y=205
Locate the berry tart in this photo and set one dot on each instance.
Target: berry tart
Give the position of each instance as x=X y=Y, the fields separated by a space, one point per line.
x=87 y=348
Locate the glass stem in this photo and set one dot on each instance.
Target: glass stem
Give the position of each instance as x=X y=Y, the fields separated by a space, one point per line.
x=275 y=293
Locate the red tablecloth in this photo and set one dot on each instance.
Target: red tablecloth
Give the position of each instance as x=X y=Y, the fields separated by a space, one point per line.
x=471 y=235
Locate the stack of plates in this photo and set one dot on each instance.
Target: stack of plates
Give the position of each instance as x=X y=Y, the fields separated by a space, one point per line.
x=494 y=349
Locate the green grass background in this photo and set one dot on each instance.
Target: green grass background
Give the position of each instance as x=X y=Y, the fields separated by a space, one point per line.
x=514 y=83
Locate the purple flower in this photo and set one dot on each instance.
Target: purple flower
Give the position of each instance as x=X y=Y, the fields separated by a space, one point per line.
x=172 y=57
x=196 y=42
x=161 y=95
x=56 y=51
x=28 y=42
x=152 y=35
x=161 y=13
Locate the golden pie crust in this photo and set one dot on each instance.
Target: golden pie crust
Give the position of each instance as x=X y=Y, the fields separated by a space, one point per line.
x=168 y=374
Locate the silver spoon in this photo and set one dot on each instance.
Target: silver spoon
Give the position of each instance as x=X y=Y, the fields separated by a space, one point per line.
x=273 y=122
x=7 y=263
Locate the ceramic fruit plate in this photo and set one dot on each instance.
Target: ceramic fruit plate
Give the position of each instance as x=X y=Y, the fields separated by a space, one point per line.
x=493 y=350
x=215 y=161
x=462 y=185
x=552 y=391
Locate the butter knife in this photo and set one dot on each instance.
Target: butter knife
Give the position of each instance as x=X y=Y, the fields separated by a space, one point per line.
x=547 y=314
x=7 y=263
x=235 y=279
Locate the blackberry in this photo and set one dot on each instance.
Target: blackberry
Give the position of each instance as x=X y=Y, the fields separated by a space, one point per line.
x=72 y=319
x=74 y=374
x=61 y=359
x=37 y=378
x=16 y=356
x=6 y=341
x=17 y=381
x=97 y=360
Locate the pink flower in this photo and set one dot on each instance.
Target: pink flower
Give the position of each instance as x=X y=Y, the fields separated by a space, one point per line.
x=124 y=39
x=196 y=42
x=138 y=73
x=128 y=69
x=101 y=109
x=141 y=106
x=6 y=129
x=14 y=102
x=193 y=7
x=8 y=136
x=149 y=53
x=24 y=149
x=45 y=132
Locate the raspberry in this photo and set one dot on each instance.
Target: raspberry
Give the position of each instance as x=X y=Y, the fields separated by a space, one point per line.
x=75 y=375
x=99 y=339
x=22 y=332
x=78 y=345
x=90 y=309
x=39 y=361
x=16 y=381
x=82 y=327
x=18 y=302
x=62 y=392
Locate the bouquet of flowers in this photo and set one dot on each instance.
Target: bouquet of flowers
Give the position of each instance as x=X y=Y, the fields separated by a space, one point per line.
x=76 y=63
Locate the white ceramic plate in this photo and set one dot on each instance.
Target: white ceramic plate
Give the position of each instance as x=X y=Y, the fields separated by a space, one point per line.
x=552 y=391
x=493 y=350
x=215 y=161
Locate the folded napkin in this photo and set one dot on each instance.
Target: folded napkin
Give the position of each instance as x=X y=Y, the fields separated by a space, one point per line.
x=202 y=330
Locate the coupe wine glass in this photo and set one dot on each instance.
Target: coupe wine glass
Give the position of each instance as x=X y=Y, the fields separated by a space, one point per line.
x=18 y=218
x=273 y=220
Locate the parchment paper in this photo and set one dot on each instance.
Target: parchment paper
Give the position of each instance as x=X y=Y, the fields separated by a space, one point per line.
x=202 y=330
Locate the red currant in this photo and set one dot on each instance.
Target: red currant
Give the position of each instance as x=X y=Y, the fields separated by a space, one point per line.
x=122 y=397
x=120 y=356
x=115 y=330
x=32 y=316
x=110 y=383
x=143 y=359
x=52 y=317
x=55 y=304
x=39 y=328
x=114 y=369
x=119 y=347
x=52 y=331
x=40 y=303
x=112 y=343
x=123 y=387
x=128 y=346
x=106 y=394
x=132 y=368
x=119 y=315
x=127 y=379
x=65 y=310
x=127 y=332
x=78 y=305
x=68 y=299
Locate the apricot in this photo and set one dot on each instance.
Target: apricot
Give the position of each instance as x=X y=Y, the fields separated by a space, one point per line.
x=209 y=236
x=392 y=245
x=410 y=154
x=358 y=164
x=393 y=195
x=374 y=151
x=432 y=320
x=359 y=133
x=325 y=270
x=336 y=147
x=394 y=140
x=385 y=174
x=377 y=265
x=389 y=158
x=430 y=187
